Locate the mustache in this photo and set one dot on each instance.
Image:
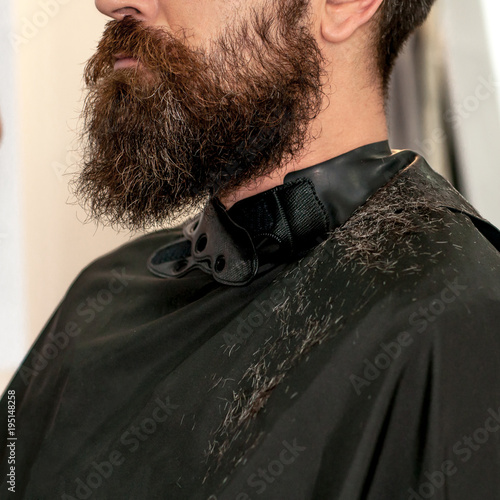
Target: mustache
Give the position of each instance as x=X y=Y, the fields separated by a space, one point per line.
x=158 y=50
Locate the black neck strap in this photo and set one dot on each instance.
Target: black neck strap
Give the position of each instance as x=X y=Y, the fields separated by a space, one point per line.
x=282 y=223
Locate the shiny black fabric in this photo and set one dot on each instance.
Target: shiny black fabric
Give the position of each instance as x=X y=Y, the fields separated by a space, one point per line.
x=364 y=370
x=282 y=223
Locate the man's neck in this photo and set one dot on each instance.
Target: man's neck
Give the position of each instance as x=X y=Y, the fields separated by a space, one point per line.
x=346 y=124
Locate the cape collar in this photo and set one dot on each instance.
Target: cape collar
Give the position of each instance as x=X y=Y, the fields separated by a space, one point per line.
x=282 y=223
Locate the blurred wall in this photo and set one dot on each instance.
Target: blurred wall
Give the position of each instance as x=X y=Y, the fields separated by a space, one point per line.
x=472 y=57
x=12 y=296
x=50 y=41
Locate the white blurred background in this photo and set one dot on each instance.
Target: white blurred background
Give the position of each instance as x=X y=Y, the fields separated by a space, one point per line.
x=445 y=105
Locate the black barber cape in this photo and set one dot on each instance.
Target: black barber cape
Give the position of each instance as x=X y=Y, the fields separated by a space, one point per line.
x=335 y=337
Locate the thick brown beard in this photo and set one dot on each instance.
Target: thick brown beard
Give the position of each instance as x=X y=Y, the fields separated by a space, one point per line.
x=159 y=139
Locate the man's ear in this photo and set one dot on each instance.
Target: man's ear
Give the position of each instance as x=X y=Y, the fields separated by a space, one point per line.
x=341 y=18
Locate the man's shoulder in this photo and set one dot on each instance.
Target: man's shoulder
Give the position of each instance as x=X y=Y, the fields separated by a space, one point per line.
x=416 y=220
x=417 y=257
x=423 y=278
x=422 y=187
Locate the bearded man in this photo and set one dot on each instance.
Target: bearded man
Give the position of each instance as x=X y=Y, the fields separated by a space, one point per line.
x=325 y=327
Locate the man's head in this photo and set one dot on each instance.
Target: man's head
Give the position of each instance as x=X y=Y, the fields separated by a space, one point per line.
x=191 y=98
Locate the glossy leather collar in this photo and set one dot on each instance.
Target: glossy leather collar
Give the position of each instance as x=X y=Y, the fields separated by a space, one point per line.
x=282 y=223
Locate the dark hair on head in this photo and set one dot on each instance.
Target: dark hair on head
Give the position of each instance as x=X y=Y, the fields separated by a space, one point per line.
x=397 y=19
